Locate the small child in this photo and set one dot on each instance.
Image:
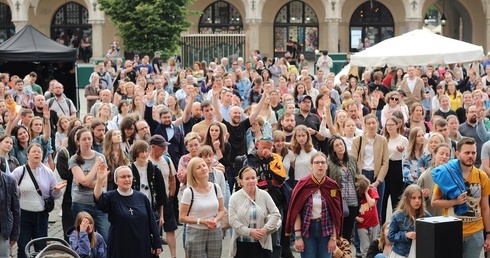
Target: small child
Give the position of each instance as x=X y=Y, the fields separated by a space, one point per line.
x=402 y=226
x=84 y=240
x=367 y=219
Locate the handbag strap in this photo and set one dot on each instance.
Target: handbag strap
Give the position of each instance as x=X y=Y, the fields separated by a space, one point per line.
x=26 y=166
x=360 y=145
x=256 y=205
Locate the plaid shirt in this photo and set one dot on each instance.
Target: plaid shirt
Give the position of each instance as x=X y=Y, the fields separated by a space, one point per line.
x=326 y=221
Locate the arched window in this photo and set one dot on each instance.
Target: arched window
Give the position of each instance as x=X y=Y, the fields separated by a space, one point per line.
x=7 y=28
x=220 y=17
x=297 y=22
x=69 y=21
x=372 y=21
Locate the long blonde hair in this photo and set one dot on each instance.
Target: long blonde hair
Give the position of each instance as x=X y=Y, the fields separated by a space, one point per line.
x=91 y=236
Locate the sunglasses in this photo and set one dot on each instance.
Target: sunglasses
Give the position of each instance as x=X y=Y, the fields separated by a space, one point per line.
x=267 y=138
x=395 y=99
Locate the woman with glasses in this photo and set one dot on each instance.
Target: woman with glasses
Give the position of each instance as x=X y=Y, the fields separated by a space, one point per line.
x=134 y=232
x=148 y=179
x=315 y=211
x=392 y=100
x=84 y=165
x=397 y=144
x=104 y=114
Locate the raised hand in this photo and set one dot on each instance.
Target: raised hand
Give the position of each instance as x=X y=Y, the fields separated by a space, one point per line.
x=46 y=112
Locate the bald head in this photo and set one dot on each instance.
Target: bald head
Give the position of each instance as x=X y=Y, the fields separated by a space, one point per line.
x=39 y=101
x=196 y=110
x=105 y=96
x=235 y=115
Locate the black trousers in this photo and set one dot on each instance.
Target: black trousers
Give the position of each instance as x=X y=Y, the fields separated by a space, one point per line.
x=394 y=186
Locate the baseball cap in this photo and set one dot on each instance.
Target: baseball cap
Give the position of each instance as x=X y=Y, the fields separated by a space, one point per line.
x=158 y=53
x=304 y=97
x=158 y=140
x=401 y=92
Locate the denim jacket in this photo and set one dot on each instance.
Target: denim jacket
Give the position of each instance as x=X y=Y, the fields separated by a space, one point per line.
x=400 y=224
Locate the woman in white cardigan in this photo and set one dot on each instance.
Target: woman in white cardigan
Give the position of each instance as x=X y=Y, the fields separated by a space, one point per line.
x=253 y=216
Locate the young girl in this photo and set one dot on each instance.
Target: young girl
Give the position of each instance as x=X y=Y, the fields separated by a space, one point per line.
x=381 y=247
x=62 y=132
x=367 y=218
x=84 y=240
x=402 y=225
x=302 y=147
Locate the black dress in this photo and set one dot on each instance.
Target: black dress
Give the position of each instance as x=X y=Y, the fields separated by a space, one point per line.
x=133 y=231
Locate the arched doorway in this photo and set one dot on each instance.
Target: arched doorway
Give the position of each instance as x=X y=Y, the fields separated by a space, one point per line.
x=371 y=20
x=221 y=17
x=7 y=28
x=70 y=21
x=297 y=21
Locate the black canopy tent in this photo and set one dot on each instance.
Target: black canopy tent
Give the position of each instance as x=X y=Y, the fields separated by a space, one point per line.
x=29 y=45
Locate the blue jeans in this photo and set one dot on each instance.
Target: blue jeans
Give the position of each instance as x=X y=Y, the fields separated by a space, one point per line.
x=472 y=245
x=4 y=248
x=380 y=189
x=32 y=225
x=101 y=219
x=380 y=256
x=316 y=244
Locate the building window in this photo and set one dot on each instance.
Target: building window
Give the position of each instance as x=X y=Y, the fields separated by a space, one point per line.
x=69 y=21
x=371 y=22
x=296 y=21
x=7 y=28
x=221 y=17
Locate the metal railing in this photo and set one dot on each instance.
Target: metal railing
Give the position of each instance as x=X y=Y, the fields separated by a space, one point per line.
x=199 y=47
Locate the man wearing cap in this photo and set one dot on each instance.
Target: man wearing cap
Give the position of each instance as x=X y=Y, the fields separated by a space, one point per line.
x=310 y=120
x=271 y=175
x=414 y=87
x=156 y=63
x=158 y=146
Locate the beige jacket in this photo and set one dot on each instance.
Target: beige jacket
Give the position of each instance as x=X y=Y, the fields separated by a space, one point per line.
x=381 y=158
x=418 y=93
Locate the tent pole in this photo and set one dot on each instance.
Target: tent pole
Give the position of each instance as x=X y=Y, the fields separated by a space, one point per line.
x=77 y=96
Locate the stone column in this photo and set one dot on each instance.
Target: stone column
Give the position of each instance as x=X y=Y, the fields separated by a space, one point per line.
x=97 y=39
x=252 y=36
x=332 y=34
x=19 y=24
x=413 y=23
x=487 y=46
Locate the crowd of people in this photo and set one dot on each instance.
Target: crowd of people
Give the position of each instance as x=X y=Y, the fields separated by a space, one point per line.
x=291 y=161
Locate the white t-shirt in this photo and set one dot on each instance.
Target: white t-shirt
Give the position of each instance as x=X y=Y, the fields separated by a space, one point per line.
x=205 y=206
x=400 y=140
x=302 y=166
x=316 y=211
x=167 y=169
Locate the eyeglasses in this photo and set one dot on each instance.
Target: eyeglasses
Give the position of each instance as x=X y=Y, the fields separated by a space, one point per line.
x=143 y=128
x=125 y=176
x=395 y=99
x=319 y=162
x=390 y=125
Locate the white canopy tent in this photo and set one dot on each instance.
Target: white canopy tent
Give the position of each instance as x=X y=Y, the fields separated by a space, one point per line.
x=418 y=47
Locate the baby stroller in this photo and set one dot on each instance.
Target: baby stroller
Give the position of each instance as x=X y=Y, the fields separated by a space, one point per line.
x=54 y=250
